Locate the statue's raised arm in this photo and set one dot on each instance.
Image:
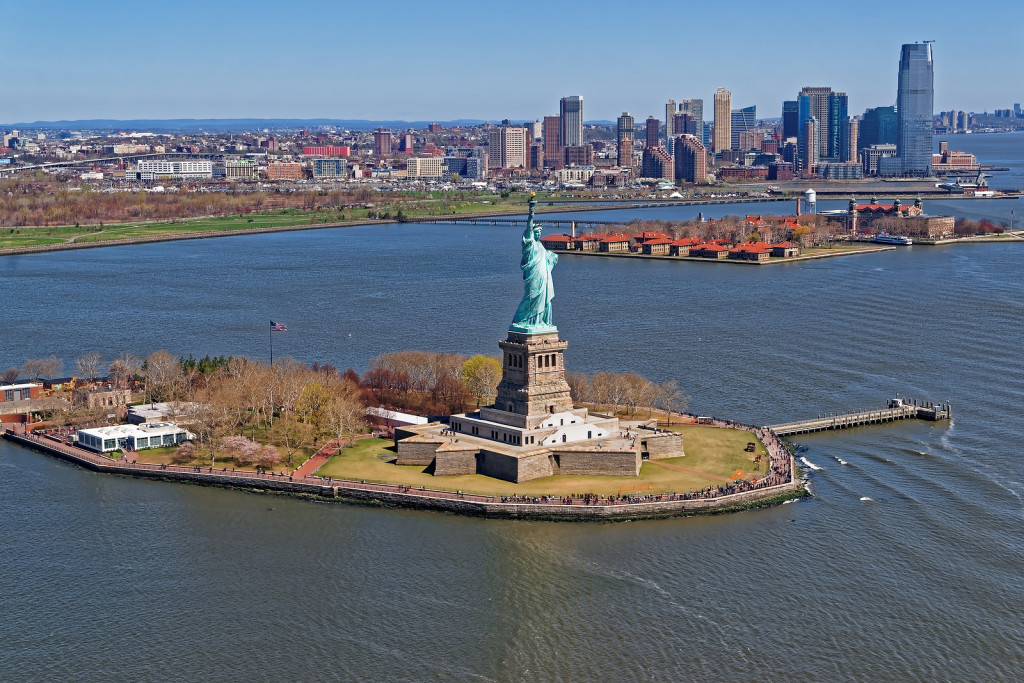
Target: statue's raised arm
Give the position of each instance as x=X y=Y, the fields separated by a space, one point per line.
x=534 y=312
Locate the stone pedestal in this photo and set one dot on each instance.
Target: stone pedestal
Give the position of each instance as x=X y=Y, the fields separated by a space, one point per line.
x=533 y=376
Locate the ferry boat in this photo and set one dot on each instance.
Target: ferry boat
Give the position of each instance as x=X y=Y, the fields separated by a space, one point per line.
x=883 y=238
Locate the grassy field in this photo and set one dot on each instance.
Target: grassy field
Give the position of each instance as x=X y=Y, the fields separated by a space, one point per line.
x=712 y=456
x=386 y=208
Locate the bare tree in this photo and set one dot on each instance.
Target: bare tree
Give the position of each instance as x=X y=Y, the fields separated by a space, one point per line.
x=637 y=391
x=123 y=370
x=88 y=365
x=51 y=367
x=163 y=376
x=346 y=413
x=33 y=368
x=579 y=387
x=10 y=375
x=670 y=398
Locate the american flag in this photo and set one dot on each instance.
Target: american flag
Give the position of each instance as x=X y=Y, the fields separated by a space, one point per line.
x=278 y=327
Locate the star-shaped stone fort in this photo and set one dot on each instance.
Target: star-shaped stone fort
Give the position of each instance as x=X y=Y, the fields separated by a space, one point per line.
x=533 y=430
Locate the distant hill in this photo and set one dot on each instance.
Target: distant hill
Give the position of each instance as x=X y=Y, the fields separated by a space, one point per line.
x=230 y=125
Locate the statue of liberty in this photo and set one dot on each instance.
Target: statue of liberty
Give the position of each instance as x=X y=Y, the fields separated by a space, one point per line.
x=534 y=312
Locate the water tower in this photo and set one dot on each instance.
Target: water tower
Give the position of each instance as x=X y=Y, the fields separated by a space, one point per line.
x=810 y=199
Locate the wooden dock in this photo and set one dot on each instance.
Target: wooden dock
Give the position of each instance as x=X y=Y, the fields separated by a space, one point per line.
x=897 y=409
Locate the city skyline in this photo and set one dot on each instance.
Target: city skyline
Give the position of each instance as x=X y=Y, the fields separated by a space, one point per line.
x=200 y=72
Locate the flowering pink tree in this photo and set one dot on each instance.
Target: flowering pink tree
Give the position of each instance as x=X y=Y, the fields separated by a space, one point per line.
x=268 y=458
x=242 y=450
x=184 y=453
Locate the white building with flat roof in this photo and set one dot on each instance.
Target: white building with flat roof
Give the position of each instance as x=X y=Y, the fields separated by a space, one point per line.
x=132 y=437
x=154 y=170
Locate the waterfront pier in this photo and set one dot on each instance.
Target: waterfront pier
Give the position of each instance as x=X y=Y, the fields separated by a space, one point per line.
x=896 y=409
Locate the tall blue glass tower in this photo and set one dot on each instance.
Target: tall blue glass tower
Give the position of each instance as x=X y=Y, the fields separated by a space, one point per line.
x=914 y=109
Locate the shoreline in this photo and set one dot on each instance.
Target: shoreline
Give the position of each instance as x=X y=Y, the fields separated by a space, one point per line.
x=391 y=495
x=741 y=262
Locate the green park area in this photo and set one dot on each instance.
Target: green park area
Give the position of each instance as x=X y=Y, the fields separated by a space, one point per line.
x=384 y=209
x=713 y=456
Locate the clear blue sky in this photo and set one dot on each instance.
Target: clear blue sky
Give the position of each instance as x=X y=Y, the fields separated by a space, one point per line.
x=391 y=59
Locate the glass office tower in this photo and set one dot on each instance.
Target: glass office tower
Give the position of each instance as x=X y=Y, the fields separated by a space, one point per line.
x=914 y=100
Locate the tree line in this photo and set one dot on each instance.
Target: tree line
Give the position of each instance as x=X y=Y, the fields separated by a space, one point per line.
x=251 y=412
x=626 y=392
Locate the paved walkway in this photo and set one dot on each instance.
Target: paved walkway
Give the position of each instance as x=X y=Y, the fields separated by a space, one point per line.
x=317 y=460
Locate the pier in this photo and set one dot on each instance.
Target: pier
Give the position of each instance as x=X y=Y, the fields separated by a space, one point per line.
x=896 y=409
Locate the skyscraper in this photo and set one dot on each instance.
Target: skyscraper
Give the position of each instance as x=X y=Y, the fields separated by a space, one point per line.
x=838 y=142
x=691 y=160
x=723 y=120
x=670 y=114
x=878 y=127
x=741 y=120
x=817 y=106
x=625 y=139
x=550 y=132
x=851 y=140
x=694 y=108
x=914 y=109
x=382 y=142
x=790 y=119
x=507 y=147
x=809 y=144
x=652 y=132
x=571 y=114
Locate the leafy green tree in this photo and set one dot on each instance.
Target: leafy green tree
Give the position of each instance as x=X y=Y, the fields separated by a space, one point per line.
x=481 y=375
x=313 y=408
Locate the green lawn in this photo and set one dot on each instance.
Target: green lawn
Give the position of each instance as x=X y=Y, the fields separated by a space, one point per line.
x=712 y=456
x=41 y=235
x=32 y=236
x=10 y=242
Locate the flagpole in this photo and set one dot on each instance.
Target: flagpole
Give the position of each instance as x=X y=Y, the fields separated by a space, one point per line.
x=271 y=344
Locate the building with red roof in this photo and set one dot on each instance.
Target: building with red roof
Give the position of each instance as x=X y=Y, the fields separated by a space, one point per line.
x=563 y=241
x=751 y=251
x=681 y=247
x=641 y=237
x=710 y=250
x=786 y=249
x=614 y=243
x=588 y=241
x=657 y=246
